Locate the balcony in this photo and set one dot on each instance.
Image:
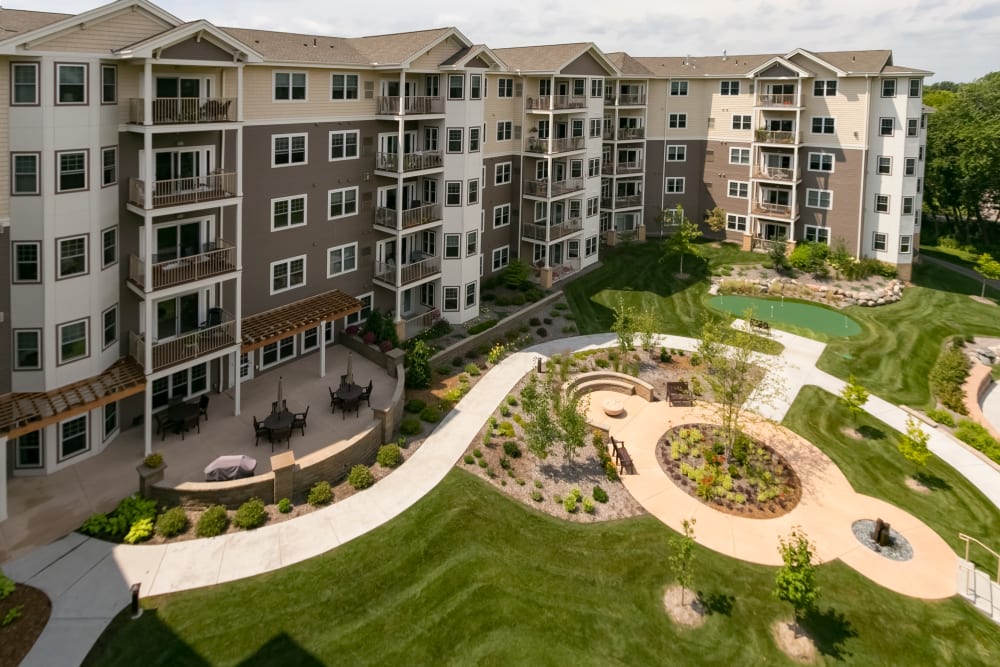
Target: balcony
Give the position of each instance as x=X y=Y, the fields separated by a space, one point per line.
x=775 y=137
x=180 y=191
x=621 y=201
x=409 y=106
x=417 y=161
x=424 y=267
x=540 y=188
x=772 y=210
x=412 y=217
x=776 y=173
x=776 y=100
x=421 y=318
x=184 y=110
x=629 y=167
x=556 y=145
x=219 y=257
x=187 y=347
x=543 y=232
x=557 y=102
x=631 y=133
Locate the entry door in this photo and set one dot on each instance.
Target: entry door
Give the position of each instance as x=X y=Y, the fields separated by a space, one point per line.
x=555 y=254
x=773 y=232
x=563 y=87
x=171 y=165
x=779 y=160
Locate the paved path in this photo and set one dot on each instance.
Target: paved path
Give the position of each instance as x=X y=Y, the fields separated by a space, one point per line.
x=88 y=580
x=958 y=268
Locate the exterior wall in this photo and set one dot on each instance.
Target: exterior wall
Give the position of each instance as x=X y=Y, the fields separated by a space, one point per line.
x=259 y=103
x=847 y=106
x=715 y=176
x=114 y=32
x=436 y=55
x=847 y=183
x=497 y=195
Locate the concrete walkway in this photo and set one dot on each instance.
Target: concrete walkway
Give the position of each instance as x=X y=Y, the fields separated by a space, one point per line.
x=958 y=268
x=88 y=580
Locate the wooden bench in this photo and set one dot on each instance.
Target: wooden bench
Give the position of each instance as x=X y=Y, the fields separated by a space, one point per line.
x=679 y=393
x=760 y=326
x=622 y=458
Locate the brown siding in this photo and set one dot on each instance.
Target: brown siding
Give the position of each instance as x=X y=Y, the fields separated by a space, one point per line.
x=193 y=49
x=716 y=174
x=585 y=65
x=495 y=195
x=846 y=182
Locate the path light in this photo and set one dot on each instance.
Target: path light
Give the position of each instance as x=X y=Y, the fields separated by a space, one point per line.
x=134 y=604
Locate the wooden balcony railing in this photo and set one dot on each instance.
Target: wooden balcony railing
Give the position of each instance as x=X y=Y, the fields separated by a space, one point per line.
x=776 y=99
x=543 y=232
x=772 y=137
x=776 y=173
x=219 y=257
x=412 y=106
x=557 y=102
x=187 y=347
x=412 y=217
x=180 y=110
x=179 y=191
x=539 y=188
x=410 y=161
x=387 y=272
x=768 y=208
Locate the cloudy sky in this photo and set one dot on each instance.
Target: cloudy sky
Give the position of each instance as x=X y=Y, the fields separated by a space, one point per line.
x=957 y=39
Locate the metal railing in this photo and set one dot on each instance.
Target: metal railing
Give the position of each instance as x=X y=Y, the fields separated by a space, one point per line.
x=412 y=217
x=775 y=99
x=179 y=191
x=621 y=201
x=407 y=273
x=968 y=540
x=218 y=257
x=776 y=137
x=542 y=232
x=179 y=110
x=631 y=98
x=776 y=173
x=186 y=347
x=627 y=133
x=540 y=188
x=768 y=208
x=410 y=161
x=557 y=102
x=566 y=269
x=409 y=105
x=629 y=167
x=536 y=145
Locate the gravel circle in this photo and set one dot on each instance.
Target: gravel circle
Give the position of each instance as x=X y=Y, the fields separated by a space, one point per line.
x=898 y=550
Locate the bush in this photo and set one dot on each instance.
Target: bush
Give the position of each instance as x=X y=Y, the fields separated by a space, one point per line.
x=7 y=586
x=12 y=615
x=154 y=460
x=941 y=417
x=504 y=411
x=511 y=400
x=947 y=377
x=569 y=503
x=588 y=505
x=457 y=362
x=482 y=326
x=410 y=426
x=534 y=321
x=977 y=436
x=414 y=406
x=172 y=522
x=213 y=521
x=809 y=257
x=516 y=274
x=385 y=346
x=536 y=495
x=472 y=370
x=511 y=449
x=483 y=463
x=541 y=332
x=469 y=459
x=431 y=415
x=600 y=495
x=418 y=365
x=478 y=453
x=284 y=505
x=250 y=514
x=320 y=494
x=518 y=299
x=665 y=356
x=389 y=456
x=360 y=477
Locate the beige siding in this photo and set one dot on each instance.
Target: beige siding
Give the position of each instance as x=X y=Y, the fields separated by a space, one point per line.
x=697 y=105
x=258 y=84
x=723 y=108
x=656 y=107
x=130 y=82
x=847 y=106
x=437 y=55
x=114 y=32
x=5 y=138
x=497 y=109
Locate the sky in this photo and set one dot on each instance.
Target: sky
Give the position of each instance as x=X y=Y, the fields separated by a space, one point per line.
x=959 y=40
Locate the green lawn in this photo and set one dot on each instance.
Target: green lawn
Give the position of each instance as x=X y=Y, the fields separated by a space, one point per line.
x=468 y=576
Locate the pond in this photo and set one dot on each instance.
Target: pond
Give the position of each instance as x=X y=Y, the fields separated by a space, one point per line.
x=797 y=314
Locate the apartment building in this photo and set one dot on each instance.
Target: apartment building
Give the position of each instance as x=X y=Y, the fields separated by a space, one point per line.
x=187 y=206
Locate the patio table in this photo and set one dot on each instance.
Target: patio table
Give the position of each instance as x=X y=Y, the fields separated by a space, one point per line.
x=349 y=392
x=279 y=420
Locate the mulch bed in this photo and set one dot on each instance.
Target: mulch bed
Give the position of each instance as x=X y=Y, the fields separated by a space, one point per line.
x=17 y=638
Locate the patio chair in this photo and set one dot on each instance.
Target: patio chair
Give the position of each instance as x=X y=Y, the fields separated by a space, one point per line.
x=367 y=393
x=260 y=431
x=193 y=420
x=203 y=406
x=334 y=400
x=353 y=404
x=164 y=424
x=279 y=434
x=299 y=420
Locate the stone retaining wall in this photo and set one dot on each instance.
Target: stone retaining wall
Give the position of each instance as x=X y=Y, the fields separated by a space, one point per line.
x=978 y=382
x=640 y=387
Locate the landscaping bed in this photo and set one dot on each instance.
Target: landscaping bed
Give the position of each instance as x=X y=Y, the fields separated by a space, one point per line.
x=23 y=615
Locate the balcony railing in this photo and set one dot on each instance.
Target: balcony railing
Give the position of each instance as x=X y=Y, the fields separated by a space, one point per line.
x=403 y=106
x=557 y=102
x=219 y=257
x=566 y=269
x=628 y=133
x=186 y=347
x=776 y=173
x=631 y=98
x=537 y=232
x=411 y=161
x=768 y=208
x=629 y=167
x=539 y=188
x=180 y=191
x=776 y=99
x=556 y=145
x=621 y=201
x=412 y=217
x=388 y=272
x=775 y=137
x=179 y=110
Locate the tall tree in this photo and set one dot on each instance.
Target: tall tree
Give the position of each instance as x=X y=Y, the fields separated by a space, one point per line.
x=988 y=268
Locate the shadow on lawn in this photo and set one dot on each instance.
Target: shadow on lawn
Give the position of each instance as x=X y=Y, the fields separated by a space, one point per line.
x=932 y=482
x=282 y=650
x=829 y=630
x=716 y=603
x=871 y=432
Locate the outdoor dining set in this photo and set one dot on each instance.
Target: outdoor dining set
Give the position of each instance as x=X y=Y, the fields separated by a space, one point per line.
x=181 y=416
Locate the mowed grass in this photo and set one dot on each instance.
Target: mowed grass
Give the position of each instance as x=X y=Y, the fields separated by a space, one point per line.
x=468 y=576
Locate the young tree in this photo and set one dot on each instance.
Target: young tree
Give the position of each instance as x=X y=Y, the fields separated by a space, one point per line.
x=682 y=557
x=569 y=412
x=716 y=219
x=795 y=581
x=988 y=268
x=647 y=324
x=913 y=444
x=418 y=366
x=855 y=396
x=540 y=430
x=681 y=243
x=777 y=254
x=624 y=324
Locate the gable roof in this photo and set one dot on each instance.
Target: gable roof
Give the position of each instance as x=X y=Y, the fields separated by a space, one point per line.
x=148 y=47
x=845 y=63
x=706 y=66
x=472 y=52
x=18 y=21
x=627 y=64
x=402 y=47
x=550 y=58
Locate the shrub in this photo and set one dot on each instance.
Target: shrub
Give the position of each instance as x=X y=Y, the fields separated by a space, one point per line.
x=352 y=330
x=506 y=429
x=320 y=494
x=665 y=356
x=516 y=274
x=534 y=321
x=469 y=459
x=284 y=505
x=477 y=453
x=482 y=326
x=430 y=414
x=154 y=460
x=511 y=449
x=600 y=495
x=457 y=362
x=977 y=436
x=472 y=370
x=569 y=503
x=547 y=320
x=418 y=365
x=588 y=505
x=518 y=299
x=610 y=471
x=389 y=456
x=511 y=401
x=213 y=521
x=172 y=522
x=410 y=426
x=536 y=495
x=360 y=477
x=443 y=370
x=385 y=346
x=504 y=410
x=368 y=337
x=7 y=586
x=541 y=332
x=941 y=417
x=947 y=377
x=483 y=463
x=414 y=406
x=139 y=531
x=12 y=615
x=505 y=463
x=809 y=257
x=250 y=514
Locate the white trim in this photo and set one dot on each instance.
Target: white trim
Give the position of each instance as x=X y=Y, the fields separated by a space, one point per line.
x=343 y=203
x=341 y=249
x=291 y=86
x=819 y=193
x=288 y=265
x=357 y=87
x=290 y=137
x=278 y=347
x=60 y=457
x=344 y=146
x=288 y=213
x=821 y=154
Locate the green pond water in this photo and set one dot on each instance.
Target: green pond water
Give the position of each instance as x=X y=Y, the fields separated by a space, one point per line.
x=775 y=312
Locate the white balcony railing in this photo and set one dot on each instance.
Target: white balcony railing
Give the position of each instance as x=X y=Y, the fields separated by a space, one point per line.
x=556 y=145
x=777 y=137
x=219 y=257
x=776 y=99
x=389 y=273
x=416 y=161
x=180 y=191
x=540 y=188
x=629 y=133
x=180 y=110
x=412 y=217
x=772 y=209
x=776 y=173
x=187 y=347
x=557 y=102
x=542 y=232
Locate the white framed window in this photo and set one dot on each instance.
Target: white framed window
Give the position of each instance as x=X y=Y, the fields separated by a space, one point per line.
x=71 y=257
x=24 y=173
x=920 y=184
x=504 y=128
x=342 y=202
x=742 y=121
x=474 y=139
x=505 y=87
x=287 y=212
x=74 y=340
x=289 y=86
x=573 y=248
x=880 y=241
x=71 y=83
x=914 y=88
x=910 y=166
x=27 y=349
x=579 y=87
x=825 y=88
x=816 y=234
x=912 y=126
x=597 y=87
x=907 y=205
x=452 y=246
x=595 y=127
x=576 y=168
x=739 y=189
x=886 y=126
x=73 y=437
x=309 y=340
x=729 y=87
x=739 y=156
x=109 y=84
x=72 y=171
x=501 y=257
x=470 y=294
x=109 y=327
x=888 y=87
x=24 y=84
x=455 y=139
x=590 y=246
x=823 y=125
x=677 y=121
x=450 y=298
x=501 y=215
x=675 y=185
x=472 y=191
x=881 y=203
x=593 y=206
x=884 y=165
x=456 y=86
x=453 y=193
x=278 y=351
x=366 y=300
x=736 y=223
x=344 y=145
x=475 y=86
x=341 y=259
x=109 y=166
x=29 y=451
x=541 y=212
x=676 y=153
x=471 y=243
x=27 y=261
x=593 y=167
x=576 y=127
x=343 y=86
x=288 y=149
x=678 y=88
x=288 y=274
x=821 y=162
x=501 y=173
x=109 y=247
x=816 y=198
x=905 y=242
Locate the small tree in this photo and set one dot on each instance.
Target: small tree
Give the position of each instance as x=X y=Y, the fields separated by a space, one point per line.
x=716 y=219
x=646 y=323
x=516 y=274
x=681 y=243
x=795 y=581
x=624 y=324
x=682 y=558
x=569 y=411
x=779 y=261
x=418 y=366
x=988 y=268
x=855 y=396
x=913 y=444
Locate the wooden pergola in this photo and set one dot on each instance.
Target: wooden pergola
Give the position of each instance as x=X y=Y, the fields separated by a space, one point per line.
x=273 y=325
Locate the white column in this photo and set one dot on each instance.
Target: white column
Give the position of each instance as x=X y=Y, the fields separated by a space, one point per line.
x=148 y=420
x=3 y=477
x=322 y=348
x=147 y=94
x=238 y=384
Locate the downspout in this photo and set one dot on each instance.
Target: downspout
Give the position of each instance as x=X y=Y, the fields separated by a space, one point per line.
x=864 y=163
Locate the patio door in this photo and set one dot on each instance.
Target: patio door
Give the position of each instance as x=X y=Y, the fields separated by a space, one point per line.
x=555 y=254
x=174 y=87
x=774 y=231
x=173 y=241
x=177 y=316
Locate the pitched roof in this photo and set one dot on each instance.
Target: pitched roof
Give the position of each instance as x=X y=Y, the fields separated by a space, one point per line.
x=399 y=47
x=13 y=21
x=857 y=62
x=705 y=66
x=627 y=64
x=284 y=47
x=547 y=58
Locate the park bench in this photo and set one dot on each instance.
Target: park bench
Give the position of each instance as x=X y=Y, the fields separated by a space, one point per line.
x=622 y=458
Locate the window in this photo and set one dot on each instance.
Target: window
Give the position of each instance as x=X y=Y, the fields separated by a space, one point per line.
x=343 y=87
x=430 y=138
x=597 y=87
x=816 y=234
x=920 y=153
x=30 y=451
x=501 y=173
x=456 y=86
x=914 y=87
x=910 y=166
x=72 y=174
x=73 y=341
x=473 y=191
x=907 y=205
x=825 y=88
x=576 y=168
x=109 y=247
x=543 y=129
x=453 y=193
x=471 y=243
x=72 y=256
x=288 y=212
x=741 y=122
x=576 y=129
x=881 y=203
x=501 y=257
x=579 y=87
x=736 y=223
x=342 y=259
x=675 y=185
x=109 y=327
x=25 y=174
x=501 y=215
x=904 y=244
x=452 y=244
x=71 y=84
x=475 y=86
x=819 y=198
x=470 y=295
x=288 y=149
x=822 y=125
x=73 y=437
x=590 y=246
x=595 y=127
x=880 y=241
x=739 y=156
x=920 y=183
x=450 y=298
x=912 y=125
x=888 y=87
x=739 y=189
x=24 y=83
x=109 y=84
x=109 y=166
x=594 y=167
x=729 y=87
x=366 y=309
x=505 y=87
x=344 y=145
x=676 y=153
x=886 y=126
x=110 y=419
x=677 y=121
x=593 y=206
x=288 y=274
x=821 y=162
x=678 y=88
x=884 y=167
x=343 y=202
x=455 y=139
x=27 y=262
x=474 y=139
x=275 y=353
x=541 y=212
x=504 y=130
x=27 y=349
x=289 y=86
